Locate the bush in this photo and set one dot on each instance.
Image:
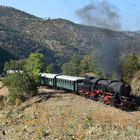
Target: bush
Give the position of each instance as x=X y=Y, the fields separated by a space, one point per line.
x=72 y=68
x=14 y=65
x=130 y=66
x=34 y=65
x=21 y=86
x=50 y=68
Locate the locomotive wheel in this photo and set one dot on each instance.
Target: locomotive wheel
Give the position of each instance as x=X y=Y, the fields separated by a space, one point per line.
x=100 y=98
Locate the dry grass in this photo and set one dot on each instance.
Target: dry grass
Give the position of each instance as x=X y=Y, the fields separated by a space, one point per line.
x=71 y=123
x=3 y=90
x=135 y=84
x=71 y=117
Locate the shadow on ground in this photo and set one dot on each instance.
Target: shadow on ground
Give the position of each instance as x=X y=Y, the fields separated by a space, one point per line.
x=42 y=96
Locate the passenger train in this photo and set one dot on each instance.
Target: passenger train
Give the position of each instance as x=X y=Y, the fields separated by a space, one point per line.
x=111 y=92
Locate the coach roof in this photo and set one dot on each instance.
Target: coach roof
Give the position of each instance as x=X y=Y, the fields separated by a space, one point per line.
x=70 y=78
x=48 y=75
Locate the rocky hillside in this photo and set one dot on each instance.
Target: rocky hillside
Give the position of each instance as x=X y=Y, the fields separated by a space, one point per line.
x=22 y=33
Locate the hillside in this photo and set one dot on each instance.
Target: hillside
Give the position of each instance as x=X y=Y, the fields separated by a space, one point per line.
x=22 y=33
x=55 y=114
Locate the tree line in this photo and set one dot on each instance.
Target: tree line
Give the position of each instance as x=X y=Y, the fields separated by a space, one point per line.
x=24 y=84
x=79 y=67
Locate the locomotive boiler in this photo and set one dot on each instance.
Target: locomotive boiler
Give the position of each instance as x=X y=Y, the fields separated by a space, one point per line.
x=114 y=92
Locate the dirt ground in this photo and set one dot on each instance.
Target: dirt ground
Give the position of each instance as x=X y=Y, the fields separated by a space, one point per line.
x=3 y=90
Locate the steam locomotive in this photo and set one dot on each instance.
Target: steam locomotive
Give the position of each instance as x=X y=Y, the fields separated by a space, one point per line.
x=111 y=92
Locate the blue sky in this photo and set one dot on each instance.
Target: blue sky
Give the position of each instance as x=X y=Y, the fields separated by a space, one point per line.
x=129 y=10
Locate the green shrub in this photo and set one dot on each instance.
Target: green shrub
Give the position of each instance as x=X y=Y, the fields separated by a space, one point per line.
x=34 y=65
x=72 y=67
x=21 y=86
x=130 y=66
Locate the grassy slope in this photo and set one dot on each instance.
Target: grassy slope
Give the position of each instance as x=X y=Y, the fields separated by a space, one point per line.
x=3 y=90
x=56 y=115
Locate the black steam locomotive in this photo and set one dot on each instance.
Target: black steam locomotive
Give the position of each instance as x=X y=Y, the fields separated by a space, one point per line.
x=112 y=92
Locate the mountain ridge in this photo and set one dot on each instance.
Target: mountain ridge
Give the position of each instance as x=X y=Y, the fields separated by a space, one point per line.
x=58 y=38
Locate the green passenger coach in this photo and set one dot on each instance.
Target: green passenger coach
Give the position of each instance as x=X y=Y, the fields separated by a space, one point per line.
x=48 y=79
x=68 y=82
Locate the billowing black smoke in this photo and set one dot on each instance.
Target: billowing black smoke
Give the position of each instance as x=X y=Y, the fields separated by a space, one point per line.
x=100 y=14
x=104 y=15
x=108 y=57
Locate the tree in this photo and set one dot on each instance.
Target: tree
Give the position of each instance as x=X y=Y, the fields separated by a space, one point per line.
x=34 y=65
x=66 y=68
x=130 y=66
x=73 y=67
x=88 y=64
x=14 y=65
x=50 y=68
x=21 y=86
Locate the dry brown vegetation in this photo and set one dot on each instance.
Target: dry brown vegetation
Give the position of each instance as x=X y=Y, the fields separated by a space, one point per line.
x=55 y=115
x=3 y=90
x=135 y=83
